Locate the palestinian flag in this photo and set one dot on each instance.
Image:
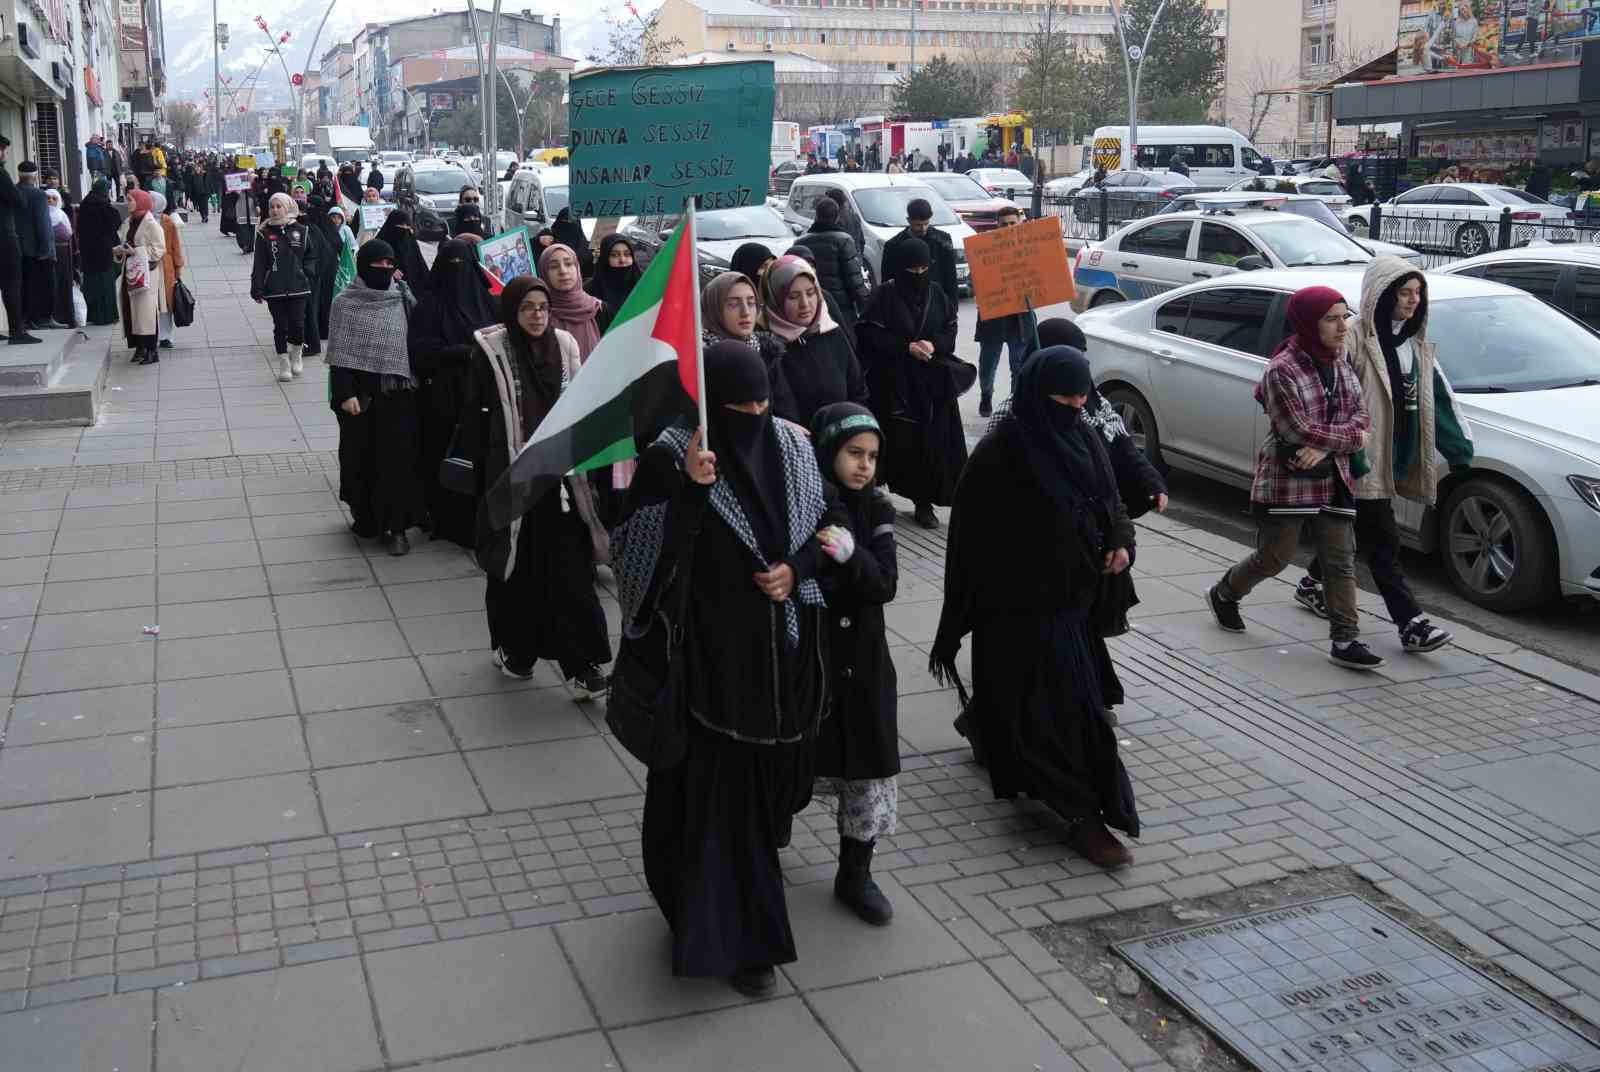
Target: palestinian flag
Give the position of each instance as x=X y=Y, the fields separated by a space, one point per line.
x=644 y=374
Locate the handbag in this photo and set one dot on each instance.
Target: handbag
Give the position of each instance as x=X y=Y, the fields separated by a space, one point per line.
x=136 y=271
x=646 y=707
x=182 y=305
x=458 y=474
x=80 y=306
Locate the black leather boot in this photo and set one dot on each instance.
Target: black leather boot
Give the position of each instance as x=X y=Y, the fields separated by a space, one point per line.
x=854 y=886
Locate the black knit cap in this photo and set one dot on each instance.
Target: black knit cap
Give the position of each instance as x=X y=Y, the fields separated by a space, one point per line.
x=735 y=373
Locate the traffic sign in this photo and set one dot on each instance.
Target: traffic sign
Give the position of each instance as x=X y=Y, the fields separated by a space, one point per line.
x=297 y=79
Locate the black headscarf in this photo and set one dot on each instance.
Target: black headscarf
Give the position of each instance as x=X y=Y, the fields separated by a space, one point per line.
x=831 y=428
x=1383 y=314
x=569 y=233
x=613 y=285
x=468 y=219
x=1067 y=461
x=375 y=249
x=749 y=258
x=397 y=231
x=914 y=253
x=459 y=293
x=539 y=359
x=746 y=444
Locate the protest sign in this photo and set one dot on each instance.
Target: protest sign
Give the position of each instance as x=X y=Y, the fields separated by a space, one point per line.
x=237 y=182
x=507 y=255
x=374 y=215
x=1015 y=268
x=645 y=138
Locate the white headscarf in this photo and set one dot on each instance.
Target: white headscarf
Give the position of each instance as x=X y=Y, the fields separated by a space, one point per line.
x=58 y=215
x=281 y=209
x=158 y=203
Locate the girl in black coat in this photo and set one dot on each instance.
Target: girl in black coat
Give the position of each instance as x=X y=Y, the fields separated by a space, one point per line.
x=441 y=344
x=858 y=747
x=1038 y=535
x=908 y=336
x=819 y=363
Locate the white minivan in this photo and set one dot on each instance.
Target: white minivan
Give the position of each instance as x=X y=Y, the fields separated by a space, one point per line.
x=1215 y=156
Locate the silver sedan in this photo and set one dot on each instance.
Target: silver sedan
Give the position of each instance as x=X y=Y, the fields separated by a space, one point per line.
x=1519 y=528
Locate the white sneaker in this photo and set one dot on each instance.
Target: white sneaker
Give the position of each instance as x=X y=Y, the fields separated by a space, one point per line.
x=297 y=363
x=284 y=372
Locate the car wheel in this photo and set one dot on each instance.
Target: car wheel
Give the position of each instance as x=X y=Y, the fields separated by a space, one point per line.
x=1357 y=226
x=1105 y=297
x=1497 y=546
x=1140 y=422
x=1471 y=240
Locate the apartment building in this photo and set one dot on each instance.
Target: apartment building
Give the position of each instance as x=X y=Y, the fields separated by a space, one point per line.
x=882 y=33
x=1279 y=55
x=446 y=79
x=336 y=87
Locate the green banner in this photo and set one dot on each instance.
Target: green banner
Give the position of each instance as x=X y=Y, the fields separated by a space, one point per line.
x=645 y=138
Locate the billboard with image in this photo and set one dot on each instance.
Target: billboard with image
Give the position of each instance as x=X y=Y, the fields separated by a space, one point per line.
x=1446 y=36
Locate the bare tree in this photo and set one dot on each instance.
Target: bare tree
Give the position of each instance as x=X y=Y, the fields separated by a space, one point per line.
x=837 y=96
x=992 y=72
x=1262 y=88
x=185 y=120
x=634 y=40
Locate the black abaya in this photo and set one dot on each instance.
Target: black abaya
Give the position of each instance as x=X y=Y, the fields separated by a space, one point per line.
x=548 y=608
x=377 y=454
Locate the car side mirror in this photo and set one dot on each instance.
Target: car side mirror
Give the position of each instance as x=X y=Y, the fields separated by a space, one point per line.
x=1250 y=263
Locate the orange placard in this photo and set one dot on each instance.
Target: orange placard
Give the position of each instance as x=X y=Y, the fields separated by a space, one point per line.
x=1015 y=267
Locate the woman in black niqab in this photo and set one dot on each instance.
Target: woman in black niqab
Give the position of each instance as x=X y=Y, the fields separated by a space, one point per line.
x=398 y=231
x=440 y=342
x=750 y=260
x=1038 y=538
x=569 y=232
x=610 y=284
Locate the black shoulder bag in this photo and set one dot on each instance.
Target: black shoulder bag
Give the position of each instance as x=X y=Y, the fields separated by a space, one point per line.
x=646 y=708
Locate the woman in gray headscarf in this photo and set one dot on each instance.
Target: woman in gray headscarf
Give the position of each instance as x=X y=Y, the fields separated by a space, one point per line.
x=371 y=389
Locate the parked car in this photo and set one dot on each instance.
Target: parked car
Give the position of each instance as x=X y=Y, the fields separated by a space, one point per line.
x=880 y=200
x=783 y=176
x=535 y=197
x=429 y=192
x=1129 y=195
x=1307 y=205
x=719 y=233
x=1521 y=526
x=1149 y=257
x=1464 y=217
x=1067 y=183
x=1002 y=181
x=311 y=161
x=1567 y=277
x=976 y=207
x=1314 y=185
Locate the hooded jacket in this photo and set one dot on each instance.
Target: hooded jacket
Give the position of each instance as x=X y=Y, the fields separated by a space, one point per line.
x=839 y=269
x=283 y=262
x=1440 y=425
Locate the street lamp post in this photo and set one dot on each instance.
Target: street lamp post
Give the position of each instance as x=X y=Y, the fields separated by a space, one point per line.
x=1133 y=64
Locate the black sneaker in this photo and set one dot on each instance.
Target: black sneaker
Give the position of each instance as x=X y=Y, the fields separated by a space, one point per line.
x=925 y=516
x=986 y=406
x=1354 y=656
x=756 y=981
x=511 y=668
x=589 y=683
x=1422 y=635
x=1226 y=611
x=22 y=338
x=165 y=344
x=1308 y=593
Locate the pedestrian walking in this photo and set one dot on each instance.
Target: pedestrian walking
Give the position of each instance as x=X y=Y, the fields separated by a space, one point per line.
x=322 y=264
x=171 y=266
x=919 y=225
x=849 y=218
x=374 y=398
x=540 y=596
x=569 y=232
x=858 y=744
x=401 y=236
x=141 y=252
x=819 y=365
x=729 y=310
x=838 y=263
x=281 y=278
x=442 y=346
x=1038 y=543
x=98 y=221
x=738 y=528
x=752 y=259
x=1414 y=419
x=1015 y=333
x=908 y=335
x=1318 y=423
x=616 y=273
x=1139 y=484
x=338 y=237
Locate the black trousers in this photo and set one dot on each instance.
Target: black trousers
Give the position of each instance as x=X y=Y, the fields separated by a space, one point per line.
x=288 y=322
x=38 y=289
x=1378 y=542
x=11 y=284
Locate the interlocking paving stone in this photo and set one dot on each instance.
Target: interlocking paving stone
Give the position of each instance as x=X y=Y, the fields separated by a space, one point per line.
x=780 y=1036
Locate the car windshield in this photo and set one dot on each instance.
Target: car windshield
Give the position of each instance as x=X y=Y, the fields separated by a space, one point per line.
x=1511 y=342
x=396 y=158
x=755 y=221
x=956 y=187
x=1300 y=243
x=1315 y=210
x=439 y=180
x=885 y=206
x=1005 y=177
x=556 y=198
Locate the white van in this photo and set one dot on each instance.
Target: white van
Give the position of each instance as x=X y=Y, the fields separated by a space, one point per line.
x=1216 y=156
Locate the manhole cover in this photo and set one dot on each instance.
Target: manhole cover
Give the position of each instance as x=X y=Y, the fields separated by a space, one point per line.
x=1337 y=984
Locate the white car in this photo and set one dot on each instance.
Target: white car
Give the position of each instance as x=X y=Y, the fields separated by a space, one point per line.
x=1155 y=255
x=1067 y=183
x=1464 y=217
x=1521 y=526
x=1566 y=276
x=718 y=234
x=1307 y=205
x=1002 y=181
x=1314 y=185
x=880 y=200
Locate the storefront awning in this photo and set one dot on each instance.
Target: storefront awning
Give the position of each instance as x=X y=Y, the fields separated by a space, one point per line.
x=1465 y=95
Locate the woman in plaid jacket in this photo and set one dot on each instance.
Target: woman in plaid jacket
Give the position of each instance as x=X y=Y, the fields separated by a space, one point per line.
x=1319 y=421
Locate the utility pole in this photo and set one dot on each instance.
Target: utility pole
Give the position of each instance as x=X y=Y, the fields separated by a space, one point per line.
x=1046 y=61
x=491 y=188
x=1133 y=64
x=914 y=4
x=216 y=74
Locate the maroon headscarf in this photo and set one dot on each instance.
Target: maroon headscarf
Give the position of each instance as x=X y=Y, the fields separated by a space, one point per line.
x=573 y=310
x=1307 y=306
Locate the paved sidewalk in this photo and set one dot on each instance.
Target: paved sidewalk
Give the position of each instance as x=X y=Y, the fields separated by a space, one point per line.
x=308 y=826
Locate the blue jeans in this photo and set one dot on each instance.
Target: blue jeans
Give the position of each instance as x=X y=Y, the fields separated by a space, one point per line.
x=989 y=361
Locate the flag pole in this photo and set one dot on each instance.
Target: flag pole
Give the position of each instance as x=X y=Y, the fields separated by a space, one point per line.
x=691 y=236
